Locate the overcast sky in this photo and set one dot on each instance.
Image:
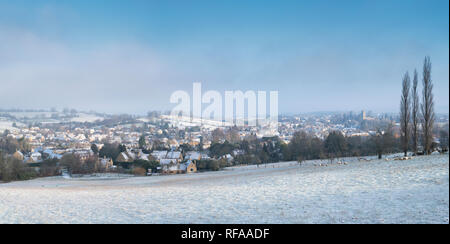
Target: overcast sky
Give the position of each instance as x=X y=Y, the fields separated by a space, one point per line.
x=129 y=56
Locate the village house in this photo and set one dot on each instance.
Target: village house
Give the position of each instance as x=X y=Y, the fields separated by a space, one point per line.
x=126 y=156
x=205 y=156
x=158 y=155
x=106 y=162
x=172 y=162
x=193 y=155
x=35 y=157
x=188 y=167
x=18 y=155
x=132 y=155
x=237 y=152
x=142 y=156
x=172 y=156
x=84 y=153
x=170 y=167
x=228 y=157
x=49 y=154
x=175 y=156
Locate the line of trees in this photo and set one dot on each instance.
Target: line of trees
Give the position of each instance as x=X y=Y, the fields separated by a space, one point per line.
x=415 y=116
x=306 y=146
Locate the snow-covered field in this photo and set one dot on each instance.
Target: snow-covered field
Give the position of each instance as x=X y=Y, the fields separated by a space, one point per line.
x=81 y=117
x=46 y=118
x=6 y=125
x=377 y=191
x=21 y=115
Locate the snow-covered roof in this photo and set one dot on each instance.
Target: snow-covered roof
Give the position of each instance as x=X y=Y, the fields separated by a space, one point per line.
x=130 y=154
x=193 y=155
x=166 y=161
x=174 y=155
x=143 y=156
x=238 y=152
x=124 y=155
x=159 y=154
x=205 y=156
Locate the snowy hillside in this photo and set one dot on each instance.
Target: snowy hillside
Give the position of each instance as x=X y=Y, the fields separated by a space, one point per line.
x=377 y=191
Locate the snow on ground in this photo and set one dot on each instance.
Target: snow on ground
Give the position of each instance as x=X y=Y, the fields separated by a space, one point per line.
x=21 y=115
x=377 y=191
x=6 y=125
x=82 y=117
x=184 y=121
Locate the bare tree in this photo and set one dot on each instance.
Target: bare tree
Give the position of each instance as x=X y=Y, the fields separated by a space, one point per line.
x=405 y=113
x=427 y=106
x=415 y=113
x=217 y=135
x=384 y=141
x=443 y=138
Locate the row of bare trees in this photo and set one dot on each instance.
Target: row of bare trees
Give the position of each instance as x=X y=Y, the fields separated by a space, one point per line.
x=415 y=115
